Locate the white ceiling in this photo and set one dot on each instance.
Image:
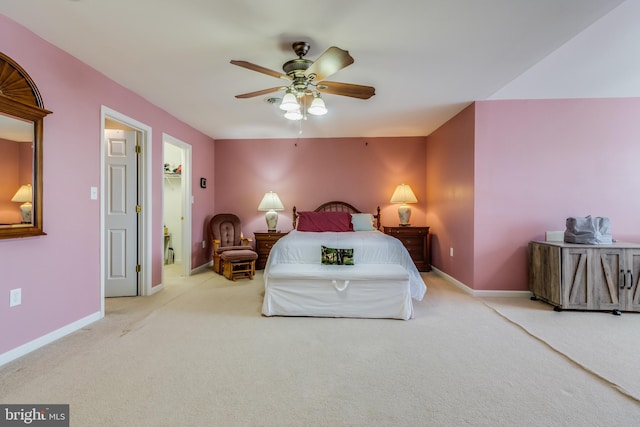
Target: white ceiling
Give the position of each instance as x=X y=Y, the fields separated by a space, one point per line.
x=427 y=59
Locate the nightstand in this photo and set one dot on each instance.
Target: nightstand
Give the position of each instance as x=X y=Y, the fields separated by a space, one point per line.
x=264 y=243
x=416 y=240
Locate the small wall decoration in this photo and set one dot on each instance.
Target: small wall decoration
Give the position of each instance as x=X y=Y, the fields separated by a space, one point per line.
x=203 y=182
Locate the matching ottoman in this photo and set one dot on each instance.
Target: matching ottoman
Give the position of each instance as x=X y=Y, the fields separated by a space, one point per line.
x=238 y=264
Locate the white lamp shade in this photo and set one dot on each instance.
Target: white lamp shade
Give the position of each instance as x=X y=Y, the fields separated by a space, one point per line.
x=289 y=102
x=270 y=201
x=403 y=194
x=24 y=194
x=293 y=115
x=317 y=107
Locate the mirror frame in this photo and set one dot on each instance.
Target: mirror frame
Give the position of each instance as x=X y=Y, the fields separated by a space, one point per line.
x=20 y=98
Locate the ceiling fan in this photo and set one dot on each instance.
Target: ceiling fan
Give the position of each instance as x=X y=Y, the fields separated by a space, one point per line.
x=306 y=81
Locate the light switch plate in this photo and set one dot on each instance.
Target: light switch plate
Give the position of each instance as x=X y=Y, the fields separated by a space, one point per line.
x=15 y=297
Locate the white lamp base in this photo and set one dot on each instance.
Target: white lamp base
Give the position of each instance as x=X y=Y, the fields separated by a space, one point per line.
x=404 y=213
x=272 y=220
x=25 y=210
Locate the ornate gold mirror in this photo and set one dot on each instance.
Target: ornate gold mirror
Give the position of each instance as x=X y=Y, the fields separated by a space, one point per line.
x=21 y=118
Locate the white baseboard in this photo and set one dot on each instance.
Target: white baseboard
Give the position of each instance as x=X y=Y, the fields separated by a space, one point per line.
x=155 y=289
x=202 y=268
x=48 y=338
x=476 y=293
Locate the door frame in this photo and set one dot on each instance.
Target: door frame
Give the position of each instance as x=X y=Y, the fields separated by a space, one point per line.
x=144 y=185
x=187 y=200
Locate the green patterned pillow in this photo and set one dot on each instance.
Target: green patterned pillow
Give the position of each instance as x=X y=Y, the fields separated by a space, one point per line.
x=332 y=256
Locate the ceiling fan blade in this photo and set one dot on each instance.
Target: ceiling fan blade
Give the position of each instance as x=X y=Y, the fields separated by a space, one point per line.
x=261 y=92
x=258 y=68
x=346 y=89
x=332 y=60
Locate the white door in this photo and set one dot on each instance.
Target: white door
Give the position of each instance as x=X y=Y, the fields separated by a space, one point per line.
x=121 y=216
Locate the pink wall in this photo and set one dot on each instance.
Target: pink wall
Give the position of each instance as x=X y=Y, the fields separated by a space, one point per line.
x=308 y=172
x=25 y=156
x=450 y=195
x=539 y=162
x=60 y=273
x=519 y=168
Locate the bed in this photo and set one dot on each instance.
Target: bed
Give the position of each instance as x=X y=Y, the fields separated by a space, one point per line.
x=337 y=263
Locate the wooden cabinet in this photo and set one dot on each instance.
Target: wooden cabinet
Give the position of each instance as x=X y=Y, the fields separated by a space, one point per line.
x=264 y=243
x=416 y=240
x=586 y=277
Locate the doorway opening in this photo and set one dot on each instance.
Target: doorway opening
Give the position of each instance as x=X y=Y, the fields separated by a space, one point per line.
x=176 y=206
x=118 y=178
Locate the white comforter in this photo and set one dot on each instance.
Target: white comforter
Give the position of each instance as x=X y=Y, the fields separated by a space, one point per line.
x=369 y=247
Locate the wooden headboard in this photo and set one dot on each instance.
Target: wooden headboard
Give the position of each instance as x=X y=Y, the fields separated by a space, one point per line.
x=337 y=206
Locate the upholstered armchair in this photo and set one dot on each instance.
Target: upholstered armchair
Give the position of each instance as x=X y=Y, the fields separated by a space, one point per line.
x=226 y=233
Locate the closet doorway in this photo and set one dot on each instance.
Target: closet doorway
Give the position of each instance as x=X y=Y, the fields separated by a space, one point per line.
x=177 y=201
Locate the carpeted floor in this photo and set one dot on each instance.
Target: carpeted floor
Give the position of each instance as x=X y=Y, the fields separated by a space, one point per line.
x=199 y=353
x=604 y=344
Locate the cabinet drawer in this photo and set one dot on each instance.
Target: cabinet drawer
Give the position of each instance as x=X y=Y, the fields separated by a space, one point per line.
x=414 y=242
x=401 y=232
x=417 y=253
x=266 y=246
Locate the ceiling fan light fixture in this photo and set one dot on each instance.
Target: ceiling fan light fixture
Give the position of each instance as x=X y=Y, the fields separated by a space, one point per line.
x=289 y=102
x=317 y=107
x=306 y=79
x=293 y=115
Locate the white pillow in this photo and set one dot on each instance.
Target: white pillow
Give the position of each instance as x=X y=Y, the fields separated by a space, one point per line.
x=362 y=222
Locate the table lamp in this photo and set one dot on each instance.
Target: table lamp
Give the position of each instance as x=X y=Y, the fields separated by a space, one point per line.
x=404 y=195
x=24 y=195
x=271 y=203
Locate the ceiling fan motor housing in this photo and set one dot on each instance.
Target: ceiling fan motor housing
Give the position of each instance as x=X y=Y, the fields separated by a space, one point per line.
x=296 y=67
x=295 y=70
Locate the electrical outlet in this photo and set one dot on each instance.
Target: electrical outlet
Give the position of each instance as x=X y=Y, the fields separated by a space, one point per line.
x=450 y=251
x=15 y=297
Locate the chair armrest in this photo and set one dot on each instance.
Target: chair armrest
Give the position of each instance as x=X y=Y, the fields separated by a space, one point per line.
x=246 y=241
x=215 y=244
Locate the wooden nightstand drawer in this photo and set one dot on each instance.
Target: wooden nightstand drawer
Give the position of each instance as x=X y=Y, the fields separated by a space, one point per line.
x=400 y=232
x=416 y=241
x=264 y=243
x=265 y=247
x=411 y=242
x=416 y=251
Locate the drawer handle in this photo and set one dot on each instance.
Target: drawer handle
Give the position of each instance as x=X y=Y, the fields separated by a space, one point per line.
x=622 y=277
x=630 y=279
